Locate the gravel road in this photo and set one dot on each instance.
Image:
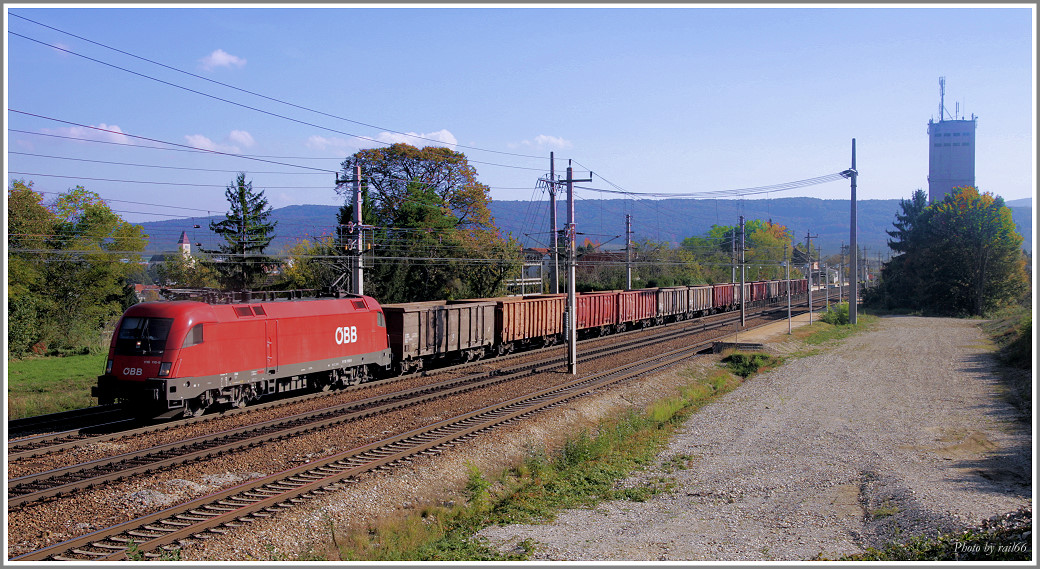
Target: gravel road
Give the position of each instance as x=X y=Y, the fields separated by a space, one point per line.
x=900 y=431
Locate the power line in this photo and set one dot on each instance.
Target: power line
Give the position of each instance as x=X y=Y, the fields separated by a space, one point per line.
x=153 y=165
x=162 y=183
x=241 y=90
x=170 y=143
x=827 y=178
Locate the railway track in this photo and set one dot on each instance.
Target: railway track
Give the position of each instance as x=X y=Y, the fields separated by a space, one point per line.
x=66 y=421
x=219 y=512
x=56 y=482
x=269 y=510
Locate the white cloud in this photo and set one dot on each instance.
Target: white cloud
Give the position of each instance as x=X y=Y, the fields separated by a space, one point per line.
x=103 y=132
x=442 y=137
x=347 y=146
x=221 y=58
x=204 y=143
x=544 y=142
x=551 y=141
x=235 y=141
x=320 y=143
x=242 y=137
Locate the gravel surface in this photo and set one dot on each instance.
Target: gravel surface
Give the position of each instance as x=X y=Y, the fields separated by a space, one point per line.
x=896 y=432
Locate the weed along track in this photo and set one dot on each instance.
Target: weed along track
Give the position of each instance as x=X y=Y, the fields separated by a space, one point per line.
x=335 y=444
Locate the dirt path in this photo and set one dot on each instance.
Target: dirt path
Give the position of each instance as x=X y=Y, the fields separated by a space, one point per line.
x=899 y=431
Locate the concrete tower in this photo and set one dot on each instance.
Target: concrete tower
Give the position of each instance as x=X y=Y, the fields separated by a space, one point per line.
x=951 y=151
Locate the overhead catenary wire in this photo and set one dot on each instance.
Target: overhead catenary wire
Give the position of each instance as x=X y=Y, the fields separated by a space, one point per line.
x=169 y=83
x=210 y=151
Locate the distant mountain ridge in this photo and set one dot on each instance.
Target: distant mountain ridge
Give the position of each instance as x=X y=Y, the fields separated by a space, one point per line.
x=603 y=221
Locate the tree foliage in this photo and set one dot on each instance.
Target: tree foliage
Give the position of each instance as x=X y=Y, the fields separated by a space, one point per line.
x=434 y=236
x=958 y=256
x=184 y=271
x=247 y=230
x=70 y=267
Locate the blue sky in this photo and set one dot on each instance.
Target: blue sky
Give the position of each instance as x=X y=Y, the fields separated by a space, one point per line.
x=676 y=99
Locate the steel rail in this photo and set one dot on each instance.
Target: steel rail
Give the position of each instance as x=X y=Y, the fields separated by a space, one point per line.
x=279 y=491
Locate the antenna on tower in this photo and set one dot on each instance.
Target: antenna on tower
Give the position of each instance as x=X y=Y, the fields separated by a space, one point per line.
x=942 y=96
x=957 y=111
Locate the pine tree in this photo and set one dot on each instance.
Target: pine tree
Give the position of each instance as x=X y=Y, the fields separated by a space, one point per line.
x=247 y=231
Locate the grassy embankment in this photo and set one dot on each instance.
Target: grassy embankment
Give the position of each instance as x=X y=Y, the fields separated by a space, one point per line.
x=1011 y=333
x=584 y=471
x=37 y=386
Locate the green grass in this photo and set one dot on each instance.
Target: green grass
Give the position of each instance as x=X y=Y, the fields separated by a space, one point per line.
x=823 y=333
x=1011 y=332
x=37 y=386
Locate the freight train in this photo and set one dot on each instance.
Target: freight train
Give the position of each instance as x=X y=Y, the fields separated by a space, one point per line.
x=182 y=358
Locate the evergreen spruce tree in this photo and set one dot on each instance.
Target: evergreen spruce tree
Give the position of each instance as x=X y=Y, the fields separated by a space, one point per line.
x=247 y=230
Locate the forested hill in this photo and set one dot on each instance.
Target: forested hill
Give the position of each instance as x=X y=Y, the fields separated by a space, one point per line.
x=603 y=221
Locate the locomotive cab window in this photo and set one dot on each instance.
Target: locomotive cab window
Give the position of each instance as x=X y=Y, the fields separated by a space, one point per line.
x=194 y=336
x=143 y=336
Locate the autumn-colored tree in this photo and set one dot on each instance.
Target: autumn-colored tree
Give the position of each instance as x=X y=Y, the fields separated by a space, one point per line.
x=958 y=256
x=434 y=236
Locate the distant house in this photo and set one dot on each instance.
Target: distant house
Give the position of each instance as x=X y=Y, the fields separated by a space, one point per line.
x=146 y=293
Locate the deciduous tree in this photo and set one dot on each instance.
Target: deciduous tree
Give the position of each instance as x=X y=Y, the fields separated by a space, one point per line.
x=434 y=235
x=958 y=256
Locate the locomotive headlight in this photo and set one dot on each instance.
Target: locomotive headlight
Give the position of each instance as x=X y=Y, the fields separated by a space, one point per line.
x=108 y=367
x=164 y=369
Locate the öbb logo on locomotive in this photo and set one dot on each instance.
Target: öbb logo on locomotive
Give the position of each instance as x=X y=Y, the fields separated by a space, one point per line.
x=346 y=335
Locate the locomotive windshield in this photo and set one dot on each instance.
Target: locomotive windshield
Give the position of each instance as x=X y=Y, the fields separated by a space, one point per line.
x=143 y=336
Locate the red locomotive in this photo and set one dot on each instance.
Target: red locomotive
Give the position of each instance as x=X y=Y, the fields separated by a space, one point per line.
x=182 y=357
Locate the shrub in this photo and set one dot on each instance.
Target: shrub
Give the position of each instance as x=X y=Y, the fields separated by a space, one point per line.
x=745 y=365
x=838 y=315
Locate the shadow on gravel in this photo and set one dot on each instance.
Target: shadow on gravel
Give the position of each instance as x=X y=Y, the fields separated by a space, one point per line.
x=1007 y=471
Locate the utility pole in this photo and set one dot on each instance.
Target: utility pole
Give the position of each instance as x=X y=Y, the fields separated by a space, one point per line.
x=787 y=265
x=826 y=284
x=555 y=277
x=572 y=312
x=628 y=251
x=355 y=234
x=854 y=265
x=841 y=269
x=808 y=251
x=866 y=270
x=743 y=315
x=733 y=255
